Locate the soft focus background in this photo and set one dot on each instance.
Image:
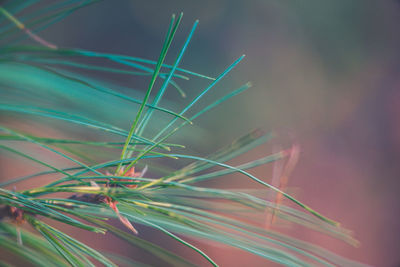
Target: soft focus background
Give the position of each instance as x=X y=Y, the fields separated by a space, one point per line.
x=324 y=72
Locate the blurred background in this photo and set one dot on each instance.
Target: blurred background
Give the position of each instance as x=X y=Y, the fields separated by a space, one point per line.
x=324 y=72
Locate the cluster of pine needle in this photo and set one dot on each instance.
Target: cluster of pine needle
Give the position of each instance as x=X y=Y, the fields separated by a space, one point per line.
x=105 y=182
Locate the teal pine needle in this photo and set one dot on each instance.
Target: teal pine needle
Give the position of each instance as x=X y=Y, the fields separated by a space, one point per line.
x=102 y=176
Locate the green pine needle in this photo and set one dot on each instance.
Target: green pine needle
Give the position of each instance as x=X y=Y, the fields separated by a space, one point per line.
x=106 y=187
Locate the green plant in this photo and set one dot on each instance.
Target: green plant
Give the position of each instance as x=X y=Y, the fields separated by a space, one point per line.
x=47 y=87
